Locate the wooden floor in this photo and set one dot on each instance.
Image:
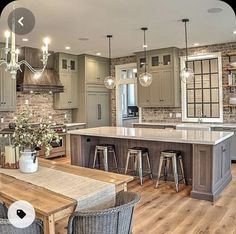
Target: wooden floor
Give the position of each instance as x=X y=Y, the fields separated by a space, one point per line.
x=164 y=211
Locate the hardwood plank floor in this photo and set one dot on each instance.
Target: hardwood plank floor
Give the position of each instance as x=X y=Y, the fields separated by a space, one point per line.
x=163 y=211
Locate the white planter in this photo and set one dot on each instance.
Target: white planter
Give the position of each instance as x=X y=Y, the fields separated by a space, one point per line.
x=28 y=162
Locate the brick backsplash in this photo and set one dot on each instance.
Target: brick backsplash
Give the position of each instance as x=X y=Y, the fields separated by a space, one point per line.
x=155 y=114
x=40 y=105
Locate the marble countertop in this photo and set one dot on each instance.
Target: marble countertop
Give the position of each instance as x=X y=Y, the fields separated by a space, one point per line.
x=163 y=135
x=74 y=124
x=223 y=125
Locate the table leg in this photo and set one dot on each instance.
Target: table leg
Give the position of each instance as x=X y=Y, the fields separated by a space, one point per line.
x=49 y=225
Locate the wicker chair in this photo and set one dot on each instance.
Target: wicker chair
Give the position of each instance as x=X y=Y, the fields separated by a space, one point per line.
x=6 y=227
x=115 y=220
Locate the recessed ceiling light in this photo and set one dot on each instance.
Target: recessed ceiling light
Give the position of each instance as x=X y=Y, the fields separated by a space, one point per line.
x=83 y=38
x=67 y=47
x=25 y=39
x=98 y=54
x=214 y=10
x=234 y=32
x=196 y=44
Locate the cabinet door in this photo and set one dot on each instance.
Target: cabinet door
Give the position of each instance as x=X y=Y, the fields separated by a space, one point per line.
x=103 y=109
x=160 y=61
x=92 y=110
x=91 y=71
x=155 y=89
x=102 y=71
x=143 y=96
x=74 y=90
x=62 y=100
x=167 y=87
x=7 y=91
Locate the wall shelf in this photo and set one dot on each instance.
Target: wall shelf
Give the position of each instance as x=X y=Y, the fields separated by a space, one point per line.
x=229 y=54
x=229 y=68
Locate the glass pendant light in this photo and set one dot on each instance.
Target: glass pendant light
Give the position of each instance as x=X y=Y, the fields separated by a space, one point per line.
x=187 y=73
x=145 y=78
x=109 y=81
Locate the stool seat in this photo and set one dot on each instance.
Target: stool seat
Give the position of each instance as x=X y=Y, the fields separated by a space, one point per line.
x=142 y=149
x=176 y=152
x=109 y=146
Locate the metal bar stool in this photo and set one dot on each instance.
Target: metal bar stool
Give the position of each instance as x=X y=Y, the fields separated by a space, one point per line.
x=174 y=156
x=105 y=149
x=138 y=153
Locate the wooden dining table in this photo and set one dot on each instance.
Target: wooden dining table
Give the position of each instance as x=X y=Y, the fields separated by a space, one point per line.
x=49 y=206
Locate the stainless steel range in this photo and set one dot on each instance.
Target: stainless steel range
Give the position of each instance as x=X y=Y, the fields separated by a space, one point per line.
x=58 y=149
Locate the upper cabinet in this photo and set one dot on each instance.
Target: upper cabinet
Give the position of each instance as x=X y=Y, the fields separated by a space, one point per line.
x=164 y=90
x=67 y=67
x=96 y=69
x=7 y=91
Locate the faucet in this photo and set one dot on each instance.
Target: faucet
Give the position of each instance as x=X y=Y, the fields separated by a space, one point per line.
x=199 y=116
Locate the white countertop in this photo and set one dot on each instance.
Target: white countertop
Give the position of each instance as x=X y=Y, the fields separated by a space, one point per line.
x=163 y=135
x=74 y=124
x=224 y=125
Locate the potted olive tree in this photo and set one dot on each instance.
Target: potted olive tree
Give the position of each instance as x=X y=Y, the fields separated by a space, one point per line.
x=28 y=138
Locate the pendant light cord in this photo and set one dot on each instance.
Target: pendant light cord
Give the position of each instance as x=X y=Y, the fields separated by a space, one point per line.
x=109 y=38
x=186 y=40
x=145 y=50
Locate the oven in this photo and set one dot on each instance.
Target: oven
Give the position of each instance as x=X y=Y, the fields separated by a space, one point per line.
x=58 y=149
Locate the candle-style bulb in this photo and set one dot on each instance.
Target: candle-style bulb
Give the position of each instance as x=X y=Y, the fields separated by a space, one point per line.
x=43 y=49
x=46 y=40
x=7 y=34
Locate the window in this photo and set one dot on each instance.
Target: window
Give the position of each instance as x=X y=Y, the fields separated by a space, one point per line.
x=202 y=96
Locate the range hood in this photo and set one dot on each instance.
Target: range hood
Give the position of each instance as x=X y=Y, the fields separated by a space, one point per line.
x=49 y=80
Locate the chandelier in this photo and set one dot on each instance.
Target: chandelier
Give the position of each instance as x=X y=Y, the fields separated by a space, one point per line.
x=11 y=55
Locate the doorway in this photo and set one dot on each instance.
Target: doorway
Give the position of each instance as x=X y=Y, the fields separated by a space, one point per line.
x=127 y=111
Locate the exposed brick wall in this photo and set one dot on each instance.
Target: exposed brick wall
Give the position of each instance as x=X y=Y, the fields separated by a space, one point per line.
x=156 y=114
x=40 y=105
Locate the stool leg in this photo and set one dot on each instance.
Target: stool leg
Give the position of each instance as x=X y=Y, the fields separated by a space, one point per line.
x=95 y=157
x=127 y=163
x=167 y=167
x=114 y=156
x=159 y=171
x=135 y=164
x=105 y=159
x=149 y=166
x=175 y=173
x=182 y=168
x=140 y=167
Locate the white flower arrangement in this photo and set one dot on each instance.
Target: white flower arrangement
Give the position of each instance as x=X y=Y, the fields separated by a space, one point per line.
x=29 y=138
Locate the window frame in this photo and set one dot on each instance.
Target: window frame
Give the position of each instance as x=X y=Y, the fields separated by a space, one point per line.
x=185 y=118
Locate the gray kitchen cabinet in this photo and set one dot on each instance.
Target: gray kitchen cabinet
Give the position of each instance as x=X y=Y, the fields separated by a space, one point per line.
x=93 y=97
x=67 y=68
x=97 y=109
x=96 y=69
x=164 y=90
x=7 y=91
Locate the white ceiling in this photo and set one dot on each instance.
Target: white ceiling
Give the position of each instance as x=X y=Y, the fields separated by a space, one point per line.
x=64 y=21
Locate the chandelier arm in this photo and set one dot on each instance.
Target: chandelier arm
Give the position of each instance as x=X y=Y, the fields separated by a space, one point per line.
x=3 y=62
x=31 y=68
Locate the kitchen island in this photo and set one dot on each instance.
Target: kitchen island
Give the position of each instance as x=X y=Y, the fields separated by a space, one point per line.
x=206 y=154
